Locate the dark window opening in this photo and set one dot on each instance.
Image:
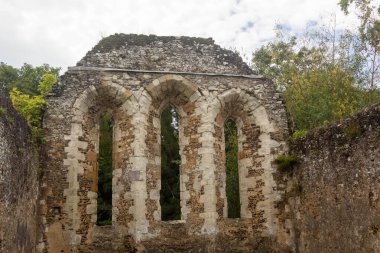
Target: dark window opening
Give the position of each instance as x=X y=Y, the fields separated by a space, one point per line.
x=232 y=169
x=104 y=209
x=170 y=163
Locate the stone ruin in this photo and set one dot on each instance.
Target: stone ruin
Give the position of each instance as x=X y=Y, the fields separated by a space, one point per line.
x=134 y=77
x=328 y=202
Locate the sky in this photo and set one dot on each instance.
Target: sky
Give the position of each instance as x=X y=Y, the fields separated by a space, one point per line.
x=60 y=32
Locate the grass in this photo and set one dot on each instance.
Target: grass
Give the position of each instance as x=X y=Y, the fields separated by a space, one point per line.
x=286 y=162
x=299 y=134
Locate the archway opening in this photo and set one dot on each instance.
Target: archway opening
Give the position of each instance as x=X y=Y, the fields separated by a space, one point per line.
x=104 y=203
x=232 y=169
x=170 y=165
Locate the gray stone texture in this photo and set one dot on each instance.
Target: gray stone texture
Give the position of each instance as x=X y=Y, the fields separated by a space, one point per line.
x=206 y=85
x=333 y=197
x=164 y=53
x=19 y=168
x=327 y=203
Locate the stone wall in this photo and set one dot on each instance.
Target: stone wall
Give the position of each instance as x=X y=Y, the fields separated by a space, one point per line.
x=19 y=174
x=134 y=78
x=333 y=193
x=328 y=202
x=164 y=53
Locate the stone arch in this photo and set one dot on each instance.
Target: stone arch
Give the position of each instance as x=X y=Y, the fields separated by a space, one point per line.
x=182 y=95
x=255 y=155
x=172 y=89
x=82 y=152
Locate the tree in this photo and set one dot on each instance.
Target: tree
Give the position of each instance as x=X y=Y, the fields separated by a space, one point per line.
x=319 y=73
x=369 y=31
x=8 y=76
x=32 y=107
x=29 y=106
x=26 y=79
x=27 y=88
x=46 y=84
x=321 y=96
x=275 y=61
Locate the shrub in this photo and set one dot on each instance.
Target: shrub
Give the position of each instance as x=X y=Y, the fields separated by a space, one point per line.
x=299 y=134
x=286 y=162
x=353 y=130
x=32 y=107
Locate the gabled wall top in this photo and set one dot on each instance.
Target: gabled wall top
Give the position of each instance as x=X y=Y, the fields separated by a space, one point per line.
x=164 y=53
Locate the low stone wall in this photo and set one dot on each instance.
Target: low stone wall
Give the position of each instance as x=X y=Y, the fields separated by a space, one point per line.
x=18 y=182
x=334 y=191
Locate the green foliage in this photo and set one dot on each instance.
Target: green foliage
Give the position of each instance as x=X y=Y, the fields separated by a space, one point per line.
x=299 y=134
x=232 y=169
x=276 y=61
x=104 y=209
x=286 y=162
x=353 y=130
x=344 y=5
x=170 y=161
x=29 y=107
x=26 y=79
x=45 y=86
x=322 y=96
x=322 y=79
x=10 y=119
x=8 y=76
x=27 y=88
x=369 y=31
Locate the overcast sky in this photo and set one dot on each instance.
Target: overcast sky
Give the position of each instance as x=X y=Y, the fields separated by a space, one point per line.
x=60 y=32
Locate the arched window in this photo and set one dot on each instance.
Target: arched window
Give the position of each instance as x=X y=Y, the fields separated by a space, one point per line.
x=170 y=163
x=104 y=208
x=232 y=169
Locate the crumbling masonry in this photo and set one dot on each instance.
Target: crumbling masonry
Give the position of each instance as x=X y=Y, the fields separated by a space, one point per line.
x=134 y=77
x=328 y=202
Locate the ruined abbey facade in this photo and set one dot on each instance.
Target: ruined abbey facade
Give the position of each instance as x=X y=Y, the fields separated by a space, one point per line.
x=133 y=77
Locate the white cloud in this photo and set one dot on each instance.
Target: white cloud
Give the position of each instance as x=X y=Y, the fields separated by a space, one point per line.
x=61 y=32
